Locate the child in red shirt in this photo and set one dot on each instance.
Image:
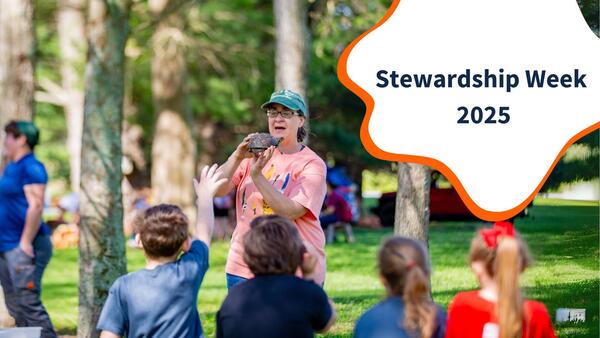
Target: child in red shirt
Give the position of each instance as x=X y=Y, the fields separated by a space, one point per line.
x=337 y=208
x=497 y=309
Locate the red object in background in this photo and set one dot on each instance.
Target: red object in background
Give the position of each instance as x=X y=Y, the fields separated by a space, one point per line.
x=443 y=204
x=447 y=203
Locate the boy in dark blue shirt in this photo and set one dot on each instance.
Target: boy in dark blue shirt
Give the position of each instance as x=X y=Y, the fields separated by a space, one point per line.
x=160 y=300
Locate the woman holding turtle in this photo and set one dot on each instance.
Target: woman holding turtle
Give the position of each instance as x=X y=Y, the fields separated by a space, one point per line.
x=287 y=179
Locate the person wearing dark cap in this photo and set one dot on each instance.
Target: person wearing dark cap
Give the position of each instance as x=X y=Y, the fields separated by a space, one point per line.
x=287 y=180
x=25 y=247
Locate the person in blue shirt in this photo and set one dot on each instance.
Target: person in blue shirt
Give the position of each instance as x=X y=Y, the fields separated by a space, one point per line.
x=160 y=300
x=408 y=310
x=25 y=247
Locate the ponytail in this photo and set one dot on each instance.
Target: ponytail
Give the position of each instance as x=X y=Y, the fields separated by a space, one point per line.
x=510 y=301
x=404 y=266
x=505 y=256
x=420 y=312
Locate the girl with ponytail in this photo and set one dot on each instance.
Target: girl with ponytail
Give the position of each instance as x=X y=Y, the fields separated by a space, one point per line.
x=408 y=310
x=497 y=310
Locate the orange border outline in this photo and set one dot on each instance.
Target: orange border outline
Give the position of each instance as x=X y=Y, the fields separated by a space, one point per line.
x=375 y=151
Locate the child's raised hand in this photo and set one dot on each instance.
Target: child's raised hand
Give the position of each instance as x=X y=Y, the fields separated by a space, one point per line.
x=210 y=180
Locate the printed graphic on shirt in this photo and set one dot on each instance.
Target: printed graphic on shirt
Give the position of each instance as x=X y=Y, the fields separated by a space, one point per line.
x=244 y=204
x=285 y=183
x=266 y=208
x=250 y=195
x=269 y=173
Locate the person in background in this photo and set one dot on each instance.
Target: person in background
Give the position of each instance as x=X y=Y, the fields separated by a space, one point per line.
x=498 y=257
x=69 y=203
x=25 y=246
x=66 y=234
x=408 y=310
x=337 y=210
x=139 y=204
x=223 y=206
x=276 y=303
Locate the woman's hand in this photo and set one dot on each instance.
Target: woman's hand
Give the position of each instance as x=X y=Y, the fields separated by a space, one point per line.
x=242 y=151
x=233 y=162
x=260 y=161
x=27 y=248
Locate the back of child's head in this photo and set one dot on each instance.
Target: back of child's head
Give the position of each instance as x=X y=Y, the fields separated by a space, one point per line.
x=404 y=265
x=273 y=246
x=162 y=229
x=505 y=256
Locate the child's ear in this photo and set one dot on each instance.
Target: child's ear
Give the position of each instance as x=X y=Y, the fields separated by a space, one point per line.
x=384 y=282
x=138 y=241
x=478 y=268
x=185 y=247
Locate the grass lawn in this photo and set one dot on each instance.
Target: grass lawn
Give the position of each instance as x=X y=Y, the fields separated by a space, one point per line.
x=562 y=235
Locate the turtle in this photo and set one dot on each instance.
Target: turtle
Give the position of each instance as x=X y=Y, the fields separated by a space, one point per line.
x=261 y=141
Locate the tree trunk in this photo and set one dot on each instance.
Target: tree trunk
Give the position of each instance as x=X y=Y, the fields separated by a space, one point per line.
x=412 y=201
x=173 y=147
x=292 y=47
x=17 y=44
x=102 y=248
x=71 y=32
x=292 y=39
x=17 y=47
x=209 y=142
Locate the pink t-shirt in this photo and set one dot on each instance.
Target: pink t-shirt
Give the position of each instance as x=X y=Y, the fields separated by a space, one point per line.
x=300 y=177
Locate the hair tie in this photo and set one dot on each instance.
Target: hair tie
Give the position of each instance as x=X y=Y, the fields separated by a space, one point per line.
x=410 y=264
x=492 y=235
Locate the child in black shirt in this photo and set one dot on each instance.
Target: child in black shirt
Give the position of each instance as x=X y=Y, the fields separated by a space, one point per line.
x=276 y=303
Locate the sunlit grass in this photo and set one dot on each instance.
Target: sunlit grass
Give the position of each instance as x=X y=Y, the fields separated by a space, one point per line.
x=562 y=235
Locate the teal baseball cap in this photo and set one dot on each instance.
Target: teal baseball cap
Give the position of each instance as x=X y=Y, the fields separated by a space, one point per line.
x=31 y=132
x=288 y=98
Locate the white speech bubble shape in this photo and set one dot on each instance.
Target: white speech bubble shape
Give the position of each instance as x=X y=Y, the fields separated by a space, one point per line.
x=497 y=168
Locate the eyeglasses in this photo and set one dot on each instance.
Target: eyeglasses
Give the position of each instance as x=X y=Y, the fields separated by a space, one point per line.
x=286 y=114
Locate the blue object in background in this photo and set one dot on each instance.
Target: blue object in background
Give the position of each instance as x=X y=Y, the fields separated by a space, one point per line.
x=337 y=177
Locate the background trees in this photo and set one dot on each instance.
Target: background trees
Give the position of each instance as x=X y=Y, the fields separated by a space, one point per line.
x=412 y=201
x=173 y=145
x=101 y=245
x=17 y=64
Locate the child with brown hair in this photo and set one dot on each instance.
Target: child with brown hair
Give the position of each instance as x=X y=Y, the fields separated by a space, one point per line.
x=408 y=310
x=160 y=300
x=498 y=257
x=276 y=303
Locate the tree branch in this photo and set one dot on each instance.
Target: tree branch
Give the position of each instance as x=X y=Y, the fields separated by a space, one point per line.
x=53 y=93
x=171 y=8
